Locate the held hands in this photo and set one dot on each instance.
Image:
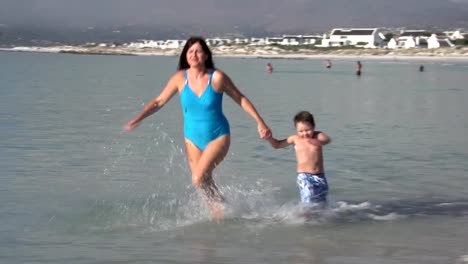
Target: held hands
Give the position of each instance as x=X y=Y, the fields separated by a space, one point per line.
x=264 y=131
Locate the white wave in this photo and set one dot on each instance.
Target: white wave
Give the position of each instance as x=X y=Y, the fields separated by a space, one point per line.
x=388 y=217
x=462 y=259
x=344 y=206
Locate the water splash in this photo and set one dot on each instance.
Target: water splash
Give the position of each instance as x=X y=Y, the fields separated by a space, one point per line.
x=176 y=203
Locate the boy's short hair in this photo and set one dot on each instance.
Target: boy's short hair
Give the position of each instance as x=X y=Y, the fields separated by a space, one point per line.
x=305 y=117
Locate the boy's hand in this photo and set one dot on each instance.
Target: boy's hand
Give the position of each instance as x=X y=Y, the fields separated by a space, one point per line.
x=315 y=142
x=264 y=131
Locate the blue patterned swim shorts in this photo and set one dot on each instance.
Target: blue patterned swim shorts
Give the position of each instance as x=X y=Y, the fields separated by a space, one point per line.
x=313 y=187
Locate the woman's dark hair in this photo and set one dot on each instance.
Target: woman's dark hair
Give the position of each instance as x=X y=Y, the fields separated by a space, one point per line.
x=183 y=64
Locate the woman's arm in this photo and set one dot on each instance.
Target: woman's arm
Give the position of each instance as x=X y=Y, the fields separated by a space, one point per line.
x=157 y=103
x=230 y=89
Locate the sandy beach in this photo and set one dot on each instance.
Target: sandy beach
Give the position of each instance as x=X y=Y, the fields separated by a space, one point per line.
x=268 y=52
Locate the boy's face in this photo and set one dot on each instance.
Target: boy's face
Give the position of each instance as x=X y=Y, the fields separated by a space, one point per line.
x=304 y=130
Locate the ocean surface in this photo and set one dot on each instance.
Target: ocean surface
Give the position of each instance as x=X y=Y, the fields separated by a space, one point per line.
x=75 y=189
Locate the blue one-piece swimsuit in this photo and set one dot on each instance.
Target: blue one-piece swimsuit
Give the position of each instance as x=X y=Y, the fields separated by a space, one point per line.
x=204 y=120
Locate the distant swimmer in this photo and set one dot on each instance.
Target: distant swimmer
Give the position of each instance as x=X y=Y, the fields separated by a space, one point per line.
x=328 y=64
x=269 y=68
x=421 y=68
x=358 y=68
x=308 y=142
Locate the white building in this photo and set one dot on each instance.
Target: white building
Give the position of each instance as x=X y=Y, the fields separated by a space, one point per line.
x=392 y=43
x=257 y=42
x=413 y=38
x=406 y=42
x=294 y=40
x=454 y=35
x=241 y=41
x=146 y=44
x=218 y=41
x=310 y=39
x=273 y=40
x=161 y=44
x=291 y=40
x=173 y=44
x=361 y=37
x=435 y=42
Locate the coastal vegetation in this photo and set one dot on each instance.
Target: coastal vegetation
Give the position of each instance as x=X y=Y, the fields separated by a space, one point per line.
x=300 y=51
x=245 y=49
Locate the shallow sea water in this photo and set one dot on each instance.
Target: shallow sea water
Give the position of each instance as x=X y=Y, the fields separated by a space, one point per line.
x=75 y=189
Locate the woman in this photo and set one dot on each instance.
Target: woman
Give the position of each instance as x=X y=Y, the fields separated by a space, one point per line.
x=206 y=129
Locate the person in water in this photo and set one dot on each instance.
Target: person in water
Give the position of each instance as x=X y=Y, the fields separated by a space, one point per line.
x=358 y=68
x=328 y=64
x=206 y=130
x=269 y=68
x=308 y=142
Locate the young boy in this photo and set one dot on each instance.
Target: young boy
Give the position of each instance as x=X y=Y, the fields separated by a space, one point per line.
x=308 y=144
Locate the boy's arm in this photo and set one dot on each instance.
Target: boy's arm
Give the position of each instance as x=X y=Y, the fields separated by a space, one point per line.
x=275 y=143
x=323 y=138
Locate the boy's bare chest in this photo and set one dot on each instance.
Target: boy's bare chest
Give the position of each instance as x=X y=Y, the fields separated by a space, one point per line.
x=305 y=147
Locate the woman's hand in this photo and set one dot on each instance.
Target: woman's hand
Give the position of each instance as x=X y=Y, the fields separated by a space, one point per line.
x=130 y=126
x=264 y=131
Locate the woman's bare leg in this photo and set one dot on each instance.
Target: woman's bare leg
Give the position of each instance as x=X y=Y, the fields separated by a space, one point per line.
x=202 y=164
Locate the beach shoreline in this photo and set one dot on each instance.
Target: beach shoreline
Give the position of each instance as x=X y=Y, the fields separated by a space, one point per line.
x=268 y=52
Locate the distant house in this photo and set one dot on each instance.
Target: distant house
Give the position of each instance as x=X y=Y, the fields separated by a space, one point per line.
x=218 y=41
x=273 y=40
x=435 y=41
x=454 y=35
x=291 y=40
x=310 y=39
x=413 y=39
x=241 y=41
x=392 y=43
x=147 y=44
x=361 y=37
x=406 y=42
x=415 y=33
x=162 y=44
x=257 y=41
x=173 y=44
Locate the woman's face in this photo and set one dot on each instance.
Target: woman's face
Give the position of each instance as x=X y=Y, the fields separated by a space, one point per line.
x=195 y=55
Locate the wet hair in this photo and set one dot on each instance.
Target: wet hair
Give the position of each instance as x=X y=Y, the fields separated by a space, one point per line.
x=183 y=64
x=305 y=117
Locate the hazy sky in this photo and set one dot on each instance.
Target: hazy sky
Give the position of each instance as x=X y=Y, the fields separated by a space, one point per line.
x=272 y=15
